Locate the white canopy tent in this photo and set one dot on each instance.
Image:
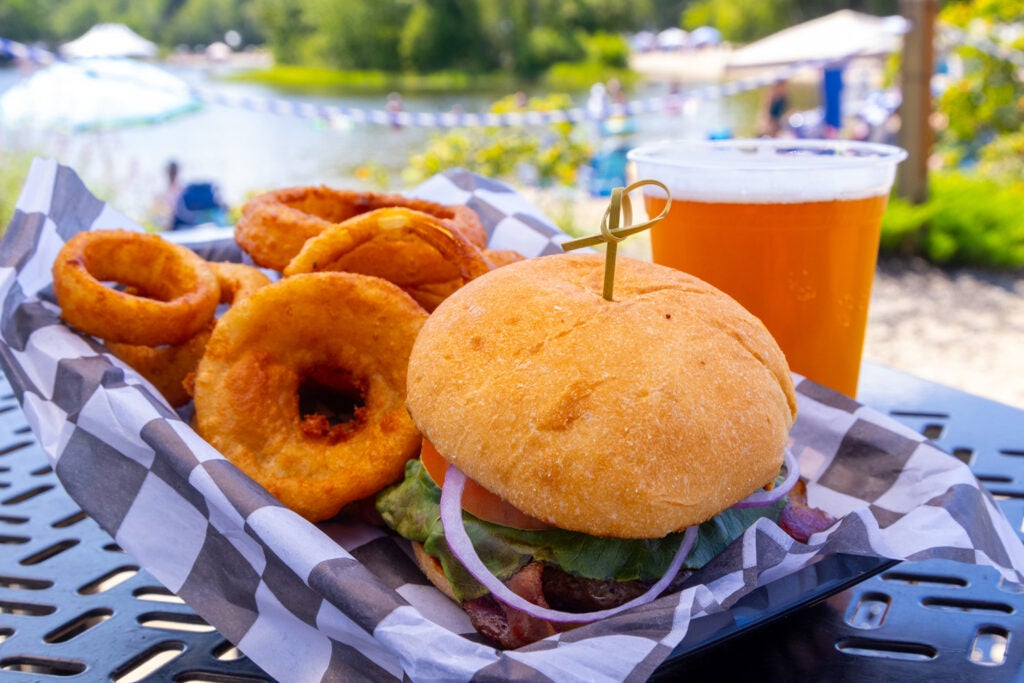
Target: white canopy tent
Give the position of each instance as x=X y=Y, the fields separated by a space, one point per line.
x=109 y=40
x=834 y=37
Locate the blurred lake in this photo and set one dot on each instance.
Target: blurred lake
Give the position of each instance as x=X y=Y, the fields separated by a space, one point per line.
x=245 y=151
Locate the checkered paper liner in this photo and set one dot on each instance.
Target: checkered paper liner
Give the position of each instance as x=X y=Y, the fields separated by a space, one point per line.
x=337 y=601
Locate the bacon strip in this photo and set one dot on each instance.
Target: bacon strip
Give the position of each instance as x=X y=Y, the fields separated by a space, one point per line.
x=800 y=520
x=505 y=625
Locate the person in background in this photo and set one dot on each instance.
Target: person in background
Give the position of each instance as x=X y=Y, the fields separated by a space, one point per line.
x=162 y=212
x=674 y=98
x=394 y=107
x=776 y=104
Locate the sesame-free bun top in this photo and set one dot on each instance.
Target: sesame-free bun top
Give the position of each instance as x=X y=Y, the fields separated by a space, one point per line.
x=630 y=418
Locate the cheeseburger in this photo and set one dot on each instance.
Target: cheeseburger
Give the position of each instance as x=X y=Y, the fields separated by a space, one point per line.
x=590 y=449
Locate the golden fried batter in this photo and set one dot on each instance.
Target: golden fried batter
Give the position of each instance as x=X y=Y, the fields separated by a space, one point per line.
x=344 y=332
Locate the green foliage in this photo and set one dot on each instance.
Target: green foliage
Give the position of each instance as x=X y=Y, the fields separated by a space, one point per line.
x=523 y=37
x=579 y=76
x=13 y=171
x=747 y=20
x=310 y=79
x=284 y=26
x=738 y=20
x=23 y=20
x=444 y=34
x=988 y=102
x=553 y=152
x=606 y=49
x=606 y=57
x=968 y=220
x=356 y=34
x=544 y=46
x=973 y=217
x=1003 y=158
x=196 y=21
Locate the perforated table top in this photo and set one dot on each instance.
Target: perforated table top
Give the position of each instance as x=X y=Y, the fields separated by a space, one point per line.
x=74 y=607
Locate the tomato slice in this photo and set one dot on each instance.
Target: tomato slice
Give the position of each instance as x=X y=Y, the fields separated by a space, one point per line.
x=476 y=500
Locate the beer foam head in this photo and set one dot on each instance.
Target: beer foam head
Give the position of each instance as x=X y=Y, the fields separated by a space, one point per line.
x=769 y=171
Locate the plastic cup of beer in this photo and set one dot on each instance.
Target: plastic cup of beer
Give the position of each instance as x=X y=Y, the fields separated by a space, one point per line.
x=789 y=228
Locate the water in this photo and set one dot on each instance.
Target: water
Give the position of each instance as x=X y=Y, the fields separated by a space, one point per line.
x=248 y=151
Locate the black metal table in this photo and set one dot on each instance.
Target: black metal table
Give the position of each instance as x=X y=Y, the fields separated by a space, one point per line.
x=74 y=607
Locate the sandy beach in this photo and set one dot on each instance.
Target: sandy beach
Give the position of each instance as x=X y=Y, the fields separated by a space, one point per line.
x=961 y=327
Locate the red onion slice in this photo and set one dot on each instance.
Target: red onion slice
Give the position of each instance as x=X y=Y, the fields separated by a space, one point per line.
x=762 y=497
x=462 y=547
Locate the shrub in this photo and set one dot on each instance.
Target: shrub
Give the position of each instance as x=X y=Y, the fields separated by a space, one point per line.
x=969 y=219
x=548 y=155
x=545 y=46
x=607 y=49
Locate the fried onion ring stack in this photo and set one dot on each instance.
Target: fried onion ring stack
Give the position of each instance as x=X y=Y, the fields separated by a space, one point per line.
x=347 y=332
x=168 y=367
x=299 y=382
x=274 y=225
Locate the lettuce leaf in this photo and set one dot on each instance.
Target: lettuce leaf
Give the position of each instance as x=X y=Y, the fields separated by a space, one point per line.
x=412 y=509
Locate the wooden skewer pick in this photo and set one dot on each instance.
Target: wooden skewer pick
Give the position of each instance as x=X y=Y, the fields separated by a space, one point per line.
x=611 y=232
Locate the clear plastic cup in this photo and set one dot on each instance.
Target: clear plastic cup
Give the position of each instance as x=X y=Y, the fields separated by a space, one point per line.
x=789 y=228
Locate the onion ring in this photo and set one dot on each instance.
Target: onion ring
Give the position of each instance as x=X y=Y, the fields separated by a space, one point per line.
x=238 y=281
x=181 y=290
x=409 y=248
x=167 y=367
x=502 y=257
x=347 y=332
x=274 y=226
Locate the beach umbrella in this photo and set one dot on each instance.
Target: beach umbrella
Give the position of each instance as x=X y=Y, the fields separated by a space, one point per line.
x=109 y=40
x=705 y=36
x=671 y=39
x=642 y=41
x=95 y=94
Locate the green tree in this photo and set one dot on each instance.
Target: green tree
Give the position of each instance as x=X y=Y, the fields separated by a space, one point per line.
x=987 y=103
x=445 y=34
x=284 y=25
x=747 y=20
x=527 y=36
x=740 y=20
x=357 y=34
x=199 y=22
x=23 y=20
x=78 y=16
x=595 y=16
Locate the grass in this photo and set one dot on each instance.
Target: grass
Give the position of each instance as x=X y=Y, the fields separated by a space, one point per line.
x=325 y=80
x=311 y=79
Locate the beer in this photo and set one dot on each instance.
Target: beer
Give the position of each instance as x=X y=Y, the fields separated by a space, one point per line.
x=788 y=228
x=804 y=268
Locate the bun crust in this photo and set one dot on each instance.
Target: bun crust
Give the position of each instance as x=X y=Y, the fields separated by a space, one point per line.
x=632 y=418
x=431 y=568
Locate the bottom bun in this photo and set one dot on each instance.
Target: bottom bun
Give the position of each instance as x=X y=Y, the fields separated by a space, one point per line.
x=431 y=568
